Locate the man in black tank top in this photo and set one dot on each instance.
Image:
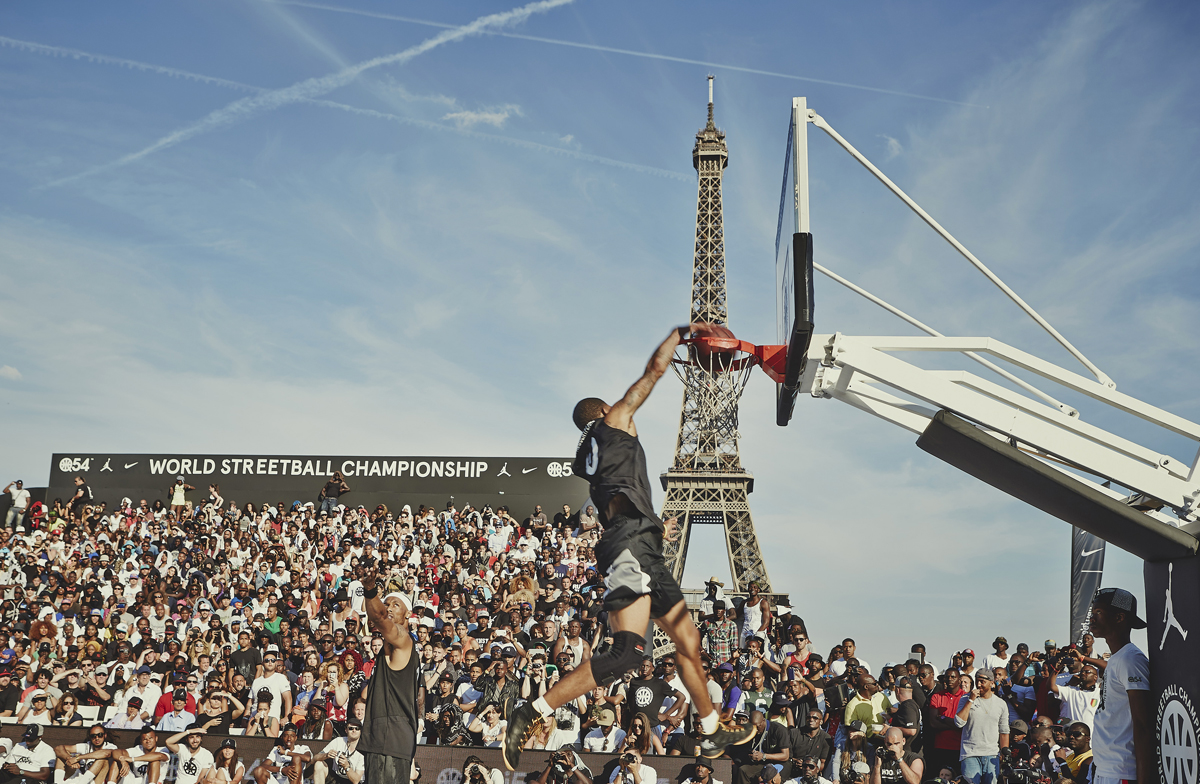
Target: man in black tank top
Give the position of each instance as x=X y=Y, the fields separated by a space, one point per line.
x=638 y=584
x=389 y=736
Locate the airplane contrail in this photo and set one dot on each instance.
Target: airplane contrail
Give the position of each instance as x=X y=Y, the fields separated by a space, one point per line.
x=314 y=87
x=162 y=70
x=629 y=52
x=77 y=54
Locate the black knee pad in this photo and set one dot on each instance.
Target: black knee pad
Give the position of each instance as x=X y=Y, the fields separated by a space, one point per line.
x=625 y=654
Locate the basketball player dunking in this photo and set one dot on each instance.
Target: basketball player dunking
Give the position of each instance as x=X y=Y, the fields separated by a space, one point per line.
x=629 y=554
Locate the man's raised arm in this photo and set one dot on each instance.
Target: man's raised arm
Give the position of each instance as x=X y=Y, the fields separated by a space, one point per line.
x=396 y=639
x=621 y=414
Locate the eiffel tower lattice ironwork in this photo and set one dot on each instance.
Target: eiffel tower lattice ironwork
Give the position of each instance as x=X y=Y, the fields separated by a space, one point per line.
x=706 y=483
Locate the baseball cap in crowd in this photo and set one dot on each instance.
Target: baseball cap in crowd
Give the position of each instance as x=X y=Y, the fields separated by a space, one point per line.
x=180 y=694
x=123 y=627
x=354 y=721
x=32 y=731
x=861 y=768
x=1051 y=644
x=702 y=762
x=726 y=667
x=606 y=718
x=968 y=652
x=135 y=702
x=904 y=682
x=1018 y=727
x=143 y=670
x=229 y=743
x=445 y=676
x=984 y=674
x=1121 y=600
x=770 y=771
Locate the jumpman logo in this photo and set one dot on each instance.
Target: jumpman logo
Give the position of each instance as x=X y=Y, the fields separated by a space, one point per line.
x=106 y=465
x=504 y=470
x=1169 y=612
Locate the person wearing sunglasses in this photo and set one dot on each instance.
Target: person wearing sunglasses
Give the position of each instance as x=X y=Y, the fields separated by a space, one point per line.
x=78 y=764
x=340 y=762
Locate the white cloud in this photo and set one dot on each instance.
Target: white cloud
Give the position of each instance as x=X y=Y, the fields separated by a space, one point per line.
x=894 y=147
x=10 y=372
x=494 y=116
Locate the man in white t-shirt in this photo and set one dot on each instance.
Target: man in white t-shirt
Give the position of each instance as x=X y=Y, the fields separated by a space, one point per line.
x=1123 y=735
x=80 y=761
x=998 y=659
x=30 y=757
x=20 y=504
x=341 y=761
x=285 y=764
x=1079 y=703
x=607 y=737
x=195 y=761
x=143 y=763
x=275 y=682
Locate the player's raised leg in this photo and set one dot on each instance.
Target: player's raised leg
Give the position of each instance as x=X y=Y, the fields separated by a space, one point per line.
x=715 y=736
x=623 y=655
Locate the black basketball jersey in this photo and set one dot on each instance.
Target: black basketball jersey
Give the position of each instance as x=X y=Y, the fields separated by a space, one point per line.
x=612 y=462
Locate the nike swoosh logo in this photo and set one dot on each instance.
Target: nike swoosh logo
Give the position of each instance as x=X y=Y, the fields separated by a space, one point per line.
x=130 y=465
x=1086 y=553
x=527 y=470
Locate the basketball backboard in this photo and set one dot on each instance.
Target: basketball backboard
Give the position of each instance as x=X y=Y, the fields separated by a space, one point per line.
x=794 y=263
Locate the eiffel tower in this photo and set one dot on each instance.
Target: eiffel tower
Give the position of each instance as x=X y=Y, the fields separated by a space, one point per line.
x=706 y=483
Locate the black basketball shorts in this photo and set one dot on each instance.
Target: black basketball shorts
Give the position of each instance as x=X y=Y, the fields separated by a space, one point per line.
x=630 y=556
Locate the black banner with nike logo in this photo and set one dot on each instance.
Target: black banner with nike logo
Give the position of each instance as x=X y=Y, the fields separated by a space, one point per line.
x=515 y=482
x=1087 y=569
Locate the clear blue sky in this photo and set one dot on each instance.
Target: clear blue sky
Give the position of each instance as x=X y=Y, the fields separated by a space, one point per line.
x=228 y=226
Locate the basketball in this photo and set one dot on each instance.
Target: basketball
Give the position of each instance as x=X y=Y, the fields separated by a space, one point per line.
x=708 y=355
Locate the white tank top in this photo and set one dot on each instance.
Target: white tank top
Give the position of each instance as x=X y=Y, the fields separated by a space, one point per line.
x=576 y=651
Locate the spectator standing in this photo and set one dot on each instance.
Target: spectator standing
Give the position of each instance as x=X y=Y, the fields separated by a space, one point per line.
x=1122 y=738
x=1079 y=703
x=998 y=659
x=983 y=718
x=907 y=716
x=939 y=717
x=178 y=495
x=809 y=741
x=15 y=516
x=81 y=498
x=870 y=706
x=720 y=633
x=331 y=492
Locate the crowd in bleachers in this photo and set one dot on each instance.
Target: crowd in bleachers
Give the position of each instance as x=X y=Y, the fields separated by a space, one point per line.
x=213 y=614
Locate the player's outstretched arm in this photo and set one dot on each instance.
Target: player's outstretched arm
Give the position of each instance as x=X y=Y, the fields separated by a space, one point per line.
x=621 y=414
x=395 y=638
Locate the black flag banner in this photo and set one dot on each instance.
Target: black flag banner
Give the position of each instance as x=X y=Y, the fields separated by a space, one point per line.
x=1087 y=569
x=516 y=482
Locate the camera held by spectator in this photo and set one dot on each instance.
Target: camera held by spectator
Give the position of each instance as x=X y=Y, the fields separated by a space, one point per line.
x=475 y=772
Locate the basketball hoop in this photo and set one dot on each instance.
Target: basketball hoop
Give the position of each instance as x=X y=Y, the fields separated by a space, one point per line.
x=714 y=370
